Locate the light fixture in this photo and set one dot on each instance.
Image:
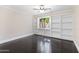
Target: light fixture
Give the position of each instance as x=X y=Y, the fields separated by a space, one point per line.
x=42 y=8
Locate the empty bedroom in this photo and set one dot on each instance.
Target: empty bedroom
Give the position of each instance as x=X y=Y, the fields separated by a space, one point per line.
x=39 y=28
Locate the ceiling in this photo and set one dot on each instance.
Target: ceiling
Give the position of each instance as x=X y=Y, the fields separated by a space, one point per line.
x=29 y=8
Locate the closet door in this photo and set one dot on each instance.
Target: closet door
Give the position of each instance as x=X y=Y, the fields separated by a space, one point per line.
x=56 y=26
x=67 y=23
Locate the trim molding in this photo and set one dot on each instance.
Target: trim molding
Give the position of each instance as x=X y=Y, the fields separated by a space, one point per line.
x=76 y=45
x=15 y=38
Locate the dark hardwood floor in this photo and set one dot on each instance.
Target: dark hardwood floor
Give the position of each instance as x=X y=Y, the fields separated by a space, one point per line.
x=38 y=44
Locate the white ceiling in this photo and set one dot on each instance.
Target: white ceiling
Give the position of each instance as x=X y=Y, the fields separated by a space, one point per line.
x=29 y=8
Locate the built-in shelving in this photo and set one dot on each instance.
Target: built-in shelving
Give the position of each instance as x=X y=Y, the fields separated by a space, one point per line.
x=61 y=26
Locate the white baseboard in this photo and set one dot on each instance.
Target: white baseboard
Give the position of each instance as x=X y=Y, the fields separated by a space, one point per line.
x=76 y=45
x=15 y=38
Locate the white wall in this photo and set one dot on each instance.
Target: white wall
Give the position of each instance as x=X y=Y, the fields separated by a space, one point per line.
x=14 y=23
x=76 y=26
